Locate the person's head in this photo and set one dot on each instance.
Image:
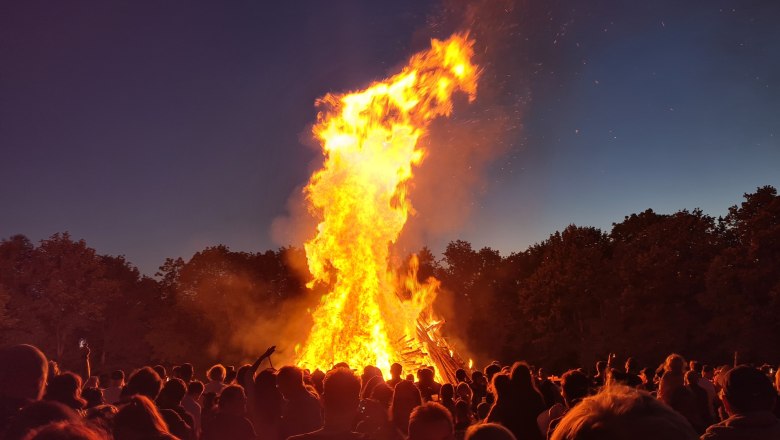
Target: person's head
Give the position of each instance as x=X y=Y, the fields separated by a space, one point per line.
x=489 y=431
x=623 y=413
x=66 y=431
x=232 y=400
x=692 y=378
x=601 y=367
x=491 y=370
x=186 y=372
x=368 y=386
x=289 y=379
x=241 y=374
x=464 y=392
x=340 y=396
x=521 y=378
x=694 y=366
x=461 y=375
x=117 y=378
x=746 y=389
x=447 y=392
x=396 y=370
x=674 y=364
x=171 y=394
x=632 y=366
x=23 y=372
x=93 y=397
x=708 y=372
x=139 y=419
x=462 y=411
x=647 y=375
x=431 y=421
x=145 y=382
x=383 y=394
x=216 y=373
x=195 y=389
x=36 y=415
x=477 y=377
x=406 y=396
x=66 y=389
x=160 y=370
x=426 y=376
x=501 y=386
x=575 y=386
x=230 y=374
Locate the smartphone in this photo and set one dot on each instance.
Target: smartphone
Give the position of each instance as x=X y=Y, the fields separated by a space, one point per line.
x=82 y=343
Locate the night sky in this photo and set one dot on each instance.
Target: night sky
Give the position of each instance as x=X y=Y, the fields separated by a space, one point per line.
x=153 y=129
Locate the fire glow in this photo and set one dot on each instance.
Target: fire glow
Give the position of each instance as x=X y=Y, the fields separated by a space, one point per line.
x=373 y=313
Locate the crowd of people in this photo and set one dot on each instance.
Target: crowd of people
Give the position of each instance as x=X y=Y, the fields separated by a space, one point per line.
x=679 y=400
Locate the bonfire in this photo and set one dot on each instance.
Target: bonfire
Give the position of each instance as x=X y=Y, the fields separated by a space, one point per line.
x=374 y=313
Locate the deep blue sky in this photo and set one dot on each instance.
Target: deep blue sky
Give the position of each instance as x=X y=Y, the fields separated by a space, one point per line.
x=153 y=129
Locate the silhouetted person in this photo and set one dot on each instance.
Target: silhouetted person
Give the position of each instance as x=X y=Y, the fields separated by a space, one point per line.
x=37 y=415
x=575 y=386
x=527 y=403
x=340 y=398
x=461 y=376
x=479 y=387
x=266 y=409
x=23 y=373
x=673 y=378
x=748 y=397
x=216 y=375
x=406 y=397
x=623 y=413
x=601 y=374
x=301 y=411
x=631 y=372
x=489 y=431
x=447 y=397
x=93 y=396
x=383 y=394
x=396 y=371
x=463 y=417
x=369 y=386
x=191 y=404
x=230 y=374
x=66 y=389
x=230 y=422
x=113 y=392
x=502 y=410
x=139 y=419
x=186 y=372
x=426 y=383
x=431 y=421
x=550 y=392
x=647 y=375
x=170 y=398
x=160 y=370
x=701 y=412
x=146 y=382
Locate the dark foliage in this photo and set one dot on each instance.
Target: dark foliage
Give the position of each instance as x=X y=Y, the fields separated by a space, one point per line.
x=655 y=283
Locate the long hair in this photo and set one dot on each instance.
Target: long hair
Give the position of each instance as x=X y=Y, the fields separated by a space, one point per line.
x=139 y=419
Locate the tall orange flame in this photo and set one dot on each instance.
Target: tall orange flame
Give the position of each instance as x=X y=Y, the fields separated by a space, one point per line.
x=370 y=142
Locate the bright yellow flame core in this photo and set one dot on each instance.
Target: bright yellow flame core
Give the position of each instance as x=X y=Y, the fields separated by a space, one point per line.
x=370 y=142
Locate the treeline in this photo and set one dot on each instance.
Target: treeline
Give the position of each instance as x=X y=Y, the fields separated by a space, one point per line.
x=655 y=283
